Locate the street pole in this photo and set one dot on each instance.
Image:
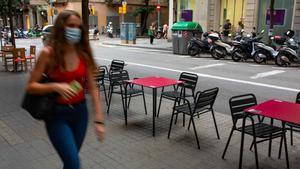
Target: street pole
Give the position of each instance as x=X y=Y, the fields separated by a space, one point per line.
x=171 y=18
x=85 y=14
x=271 y=20
x=158 y=14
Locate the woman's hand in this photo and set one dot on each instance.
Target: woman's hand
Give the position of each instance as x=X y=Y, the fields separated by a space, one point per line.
x=65 y=90
x=100 y=130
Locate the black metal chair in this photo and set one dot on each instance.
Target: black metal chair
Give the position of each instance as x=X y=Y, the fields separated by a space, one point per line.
x=266 y=132
x=119 y=86
x=116 y=65
x=190 y=81
x=99 y=78
x=204 y=102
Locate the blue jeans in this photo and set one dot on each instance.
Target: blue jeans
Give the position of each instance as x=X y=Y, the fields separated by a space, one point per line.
x=66 y=130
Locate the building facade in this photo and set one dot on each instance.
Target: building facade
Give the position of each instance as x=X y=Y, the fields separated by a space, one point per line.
x=104 y=11
x=211 y=14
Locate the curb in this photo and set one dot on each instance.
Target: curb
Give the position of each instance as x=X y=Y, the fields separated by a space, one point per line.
x=143 y=47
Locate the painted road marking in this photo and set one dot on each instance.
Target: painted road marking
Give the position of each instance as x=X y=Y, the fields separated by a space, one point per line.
x=265 y=74
x=207 y=66
x=213 y=77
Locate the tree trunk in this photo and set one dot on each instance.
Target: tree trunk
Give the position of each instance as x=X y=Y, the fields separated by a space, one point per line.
x=85 y=14
x=144 y=18
x=11 y=24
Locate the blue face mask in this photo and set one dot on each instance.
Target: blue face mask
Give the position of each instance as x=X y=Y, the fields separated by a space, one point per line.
x=73 y=35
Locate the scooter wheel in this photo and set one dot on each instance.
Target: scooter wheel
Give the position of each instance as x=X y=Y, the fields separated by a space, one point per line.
x=235 y=55
x=257 y=58
x=282 y=60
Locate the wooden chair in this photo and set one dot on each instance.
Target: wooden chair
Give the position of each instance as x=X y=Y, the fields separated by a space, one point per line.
x=19 y=59
x=31 y=58
x=7 y=55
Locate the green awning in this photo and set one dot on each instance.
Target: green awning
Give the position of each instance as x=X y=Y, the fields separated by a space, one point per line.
x=187 y=26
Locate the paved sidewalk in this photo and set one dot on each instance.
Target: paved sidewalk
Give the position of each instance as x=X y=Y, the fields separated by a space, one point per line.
x=158 y=44
x=24 y=143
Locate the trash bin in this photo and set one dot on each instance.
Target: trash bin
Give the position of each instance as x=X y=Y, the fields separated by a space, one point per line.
x=131 y=33
x=182 y=33
x=124 y=33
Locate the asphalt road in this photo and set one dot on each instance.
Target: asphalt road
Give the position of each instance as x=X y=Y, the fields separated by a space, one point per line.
x=265 y=81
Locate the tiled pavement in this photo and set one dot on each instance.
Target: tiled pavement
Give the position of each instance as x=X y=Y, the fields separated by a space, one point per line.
x=24 y=143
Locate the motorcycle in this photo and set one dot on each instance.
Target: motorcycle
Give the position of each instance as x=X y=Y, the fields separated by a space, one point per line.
x=245 y=49
x=196 y=45
x=289 y=52
x=19 y=33
x=220 y=49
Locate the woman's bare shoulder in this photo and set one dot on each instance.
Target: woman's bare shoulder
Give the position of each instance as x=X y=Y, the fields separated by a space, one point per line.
x=45 y=53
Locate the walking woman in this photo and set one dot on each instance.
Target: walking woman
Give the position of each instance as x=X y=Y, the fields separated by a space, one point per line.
x=68 y=62
x=151 y=33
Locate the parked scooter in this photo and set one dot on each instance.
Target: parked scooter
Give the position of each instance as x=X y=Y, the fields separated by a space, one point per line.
x=289 y=53
x=245 y=49
x=197 y=45
x=264 y=52
x=220 y=49
x=19 y=33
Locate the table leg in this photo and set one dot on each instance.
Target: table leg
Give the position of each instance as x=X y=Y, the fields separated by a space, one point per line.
x=125 y=105
x=242 y=143
x=154 y=109
x=285 y=146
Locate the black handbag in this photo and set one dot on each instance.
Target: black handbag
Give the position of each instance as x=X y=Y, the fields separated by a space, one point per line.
x=39 y=106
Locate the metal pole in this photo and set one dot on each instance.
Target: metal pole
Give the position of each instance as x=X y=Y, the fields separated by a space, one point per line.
x=158 y=15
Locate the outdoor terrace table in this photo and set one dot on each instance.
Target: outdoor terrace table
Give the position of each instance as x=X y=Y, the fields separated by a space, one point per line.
x=153 y=82
x=274 y=109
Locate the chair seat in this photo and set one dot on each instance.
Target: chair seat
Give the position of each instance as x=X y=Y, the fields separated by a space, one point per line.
x=262 y=130
x=30 y=57
x=19 y=60
x=131 y=91
x=184 y=108
x=293 y=125
x=173 y=94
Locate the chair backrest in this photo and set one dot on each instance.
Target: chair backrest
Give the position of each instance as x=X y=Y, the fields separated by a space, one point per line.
x=116 y=65
x=206 y=98
x=298 y=98
x=32 y=50
x=117 y=77
x=239 y=103
x=99 y=73
x=7 y=48
x=190 y=80
x=19 y=53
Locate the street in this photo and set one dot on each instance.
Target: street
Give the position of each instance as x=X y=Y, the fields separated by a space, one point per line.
x=265 y=81
x=233 y=78
x=25 y=144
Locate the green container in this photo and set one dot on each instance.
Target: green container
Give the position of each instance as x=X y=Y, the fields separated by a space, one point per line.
x=187 y=26
x=182 y=32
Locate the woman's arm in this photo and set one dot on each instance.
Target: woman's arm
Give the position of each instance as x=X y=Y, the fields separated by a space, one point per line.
x=96 y=99
x=35 y=87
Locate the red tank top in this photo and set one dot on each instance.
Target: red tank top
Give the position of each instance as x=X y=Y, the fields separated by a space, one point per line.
x=79 y=74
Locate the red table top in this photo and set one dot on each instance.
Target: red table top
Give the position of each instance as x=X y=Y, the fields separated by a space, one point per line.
x=154 y=81
x=278 y=109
